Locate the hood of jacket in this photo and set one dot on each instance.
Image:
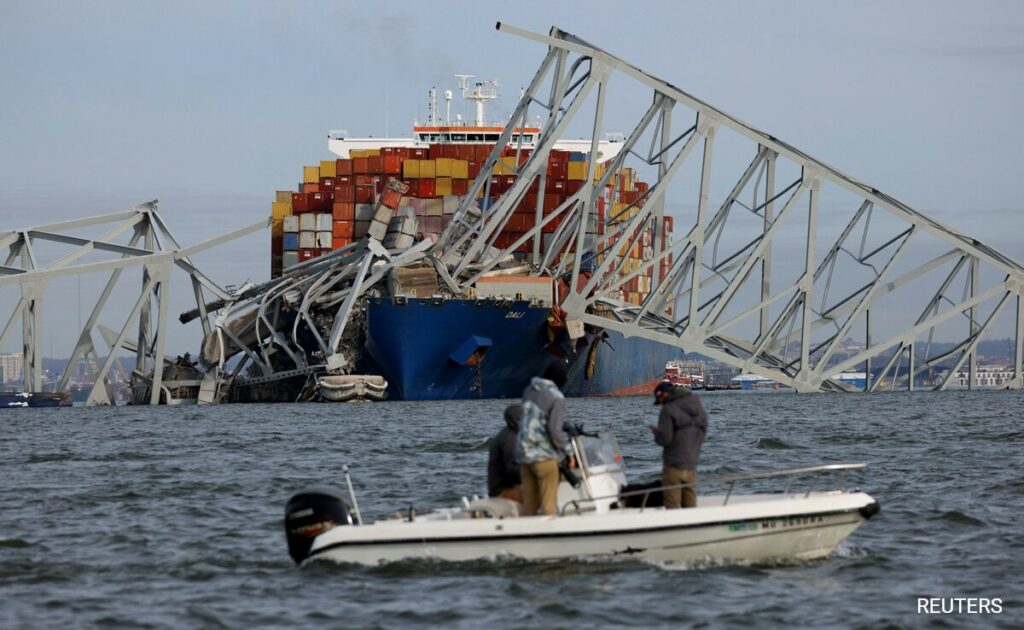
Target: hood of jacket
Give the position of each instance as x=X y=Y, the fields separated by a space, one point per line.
x=512 y=415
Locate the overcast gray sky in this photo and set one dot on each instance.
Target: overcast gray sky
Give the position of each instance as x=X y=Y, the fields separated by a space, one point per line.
x=211 y=106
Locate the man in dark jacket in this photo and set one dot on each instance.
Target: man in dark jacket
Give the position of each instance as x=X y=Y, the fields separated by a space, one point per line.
x=502 y=470
x=682 y=425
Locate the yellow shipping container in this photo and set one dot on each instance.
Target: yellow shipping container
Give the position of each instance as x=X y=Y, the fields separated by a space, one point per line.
x=411 y=169
x=443 y=186
x=428 y=169
x=311 y=174
x=505 y=165
x=578 y=171
x=443 y=167
x=328 y=168
x=371 y=152
x=277 y=227
x=460 y=169
x=356 y=153
x=280 y=209
x=284 y=195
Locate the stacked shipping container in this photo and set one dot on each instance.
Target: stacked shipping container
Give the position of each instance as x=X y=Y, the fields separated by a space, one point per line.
x=335 y=203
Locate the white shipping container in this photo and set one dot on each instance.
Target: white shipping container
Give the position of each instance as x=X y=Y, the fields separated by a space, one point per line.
x=323 y=240
x=435 y=207
x=450 y=204
x=291 y=223
x=324 y=223
x=307 y=240
x=307 y=222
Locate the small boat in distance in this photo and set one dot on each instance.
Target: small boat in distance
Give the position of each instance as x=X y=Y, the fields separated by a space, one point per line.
x=598 y=517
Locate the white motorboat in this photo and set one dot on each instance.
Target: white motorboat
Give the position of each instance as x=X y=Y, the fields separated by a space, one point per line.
x=596 y=519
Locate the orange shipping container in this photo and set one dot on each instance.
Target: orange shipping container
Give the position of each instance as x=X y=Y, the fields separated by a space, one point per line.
x=342 y=167
x=338 y=242
x=392 y=164
x=344 y=211
x=343 y=229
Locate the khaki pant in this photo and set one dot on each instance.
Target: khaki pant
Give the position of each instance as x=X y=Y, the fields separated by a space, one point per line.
x=515 y=493
x=679 y=497
x=540 y=487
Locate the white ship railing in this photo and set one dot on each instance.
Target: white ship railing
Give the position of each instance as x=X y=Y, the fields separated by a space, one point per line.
x=793 y=473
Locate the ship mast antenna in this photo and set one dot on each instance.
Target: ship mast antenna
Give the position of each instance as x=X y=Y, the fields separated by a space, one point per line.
x=482 y=92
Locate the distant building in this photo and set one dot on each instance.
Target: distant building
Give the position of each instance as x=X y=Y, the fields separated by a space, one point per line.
x=11 y=367
x=987 y=376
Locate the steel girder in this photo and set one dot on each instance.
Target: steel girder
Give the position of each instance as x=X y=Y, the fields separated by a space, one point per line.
x=721 y=290
x=157 y=254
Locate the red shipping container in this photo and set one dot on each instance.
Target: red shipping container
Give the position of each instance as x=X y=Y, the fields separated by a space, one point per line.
x=555 y=186
x=318 y=202
x=306 y=254
x=425 y=188
x=311 y=188
x=552 y=225
x=419 y=153
x=629 y=196
x=326 y=183
x=558 y=169
x=344 y=193
x=573 y=186
x=392 y=165
x=473 y=168
x=391 y=198
x=552 y=201
x=323 y=251
x=508 y=181
x=379 y=185
x=300 y=202
x=388 y=150
x=344 y=211
x=343 y=229
x=339 y=242
x=343 y=180
x=276 y=245
x=464 y=151
x=364 y=194
x=481 y=152
x=365 y=180
x=343 y=167
x=460 y=186
x=360 y=165
x=375 y=165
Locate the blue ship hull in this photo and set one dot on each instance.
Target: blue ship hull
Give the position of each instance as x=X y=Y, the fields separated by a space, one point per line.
x=458 y=349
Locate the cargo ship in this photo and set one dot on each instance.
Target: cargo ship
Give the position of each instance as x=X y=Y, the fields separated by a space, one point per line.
x=435 y=346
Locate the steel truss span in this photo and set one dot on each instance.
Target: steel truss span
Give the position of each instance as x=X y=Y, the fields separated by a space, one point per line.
x=136 y=238
x=784 y=267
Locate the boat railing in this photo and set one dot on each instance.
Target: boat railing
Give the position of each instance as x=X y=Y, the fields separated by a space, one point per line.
x=840 y=470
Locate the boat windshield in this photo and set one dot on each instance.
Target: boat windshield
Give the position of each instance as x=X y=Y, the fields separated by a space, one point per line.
x=601 y=452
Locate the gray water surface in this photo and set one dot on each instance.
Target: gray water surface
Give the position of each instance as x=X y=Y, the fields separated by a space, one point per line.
x=172 y=517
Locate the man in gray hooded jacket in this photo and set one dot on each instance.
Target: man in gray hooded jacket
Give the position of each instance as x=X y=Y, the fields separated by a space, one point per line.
x=682 y=425
x=542 y=441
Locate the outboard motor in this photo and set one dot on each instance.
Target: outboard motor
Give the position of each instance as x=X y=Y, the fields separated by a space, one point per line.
x=311 y=512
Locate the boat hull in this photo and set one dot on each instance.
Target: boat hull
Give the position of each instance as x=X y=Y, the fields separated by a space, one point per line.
x=425 y=349
x=758 y=532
